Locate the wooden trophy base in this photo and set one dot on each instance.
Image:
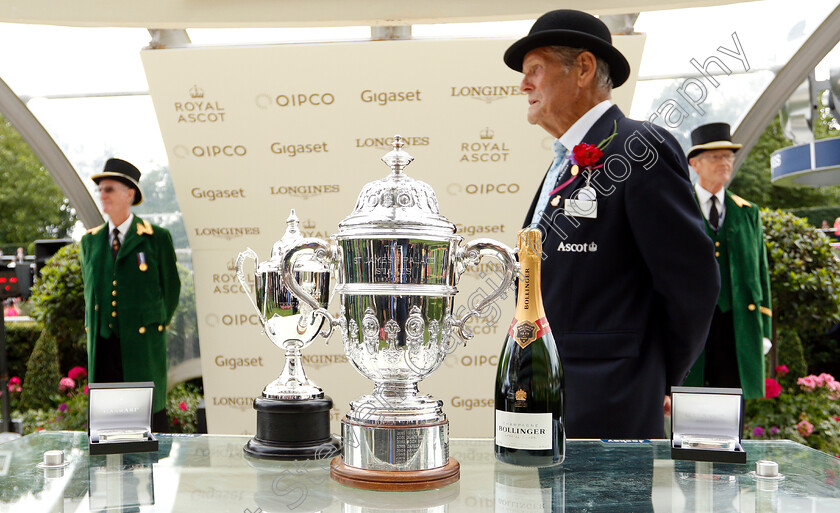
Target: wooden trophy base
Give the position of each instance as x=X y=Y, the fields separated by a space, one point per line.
x=395 y=481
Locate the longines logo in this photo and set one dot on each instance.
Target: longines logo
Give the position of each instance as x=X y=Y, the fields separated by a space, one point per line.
x=383 y=98
x=216 y=320
x=486 y=93
x=211 y=151
x=295 y=99
x=304 y=191
x=227 y=283
x=226 y=232
x=322 y=360
x=199 y=110
x=455 y=189
x=214 y=194
x=486 y=149
x=578 y=248
x=293 y=150
x=240 y=403
x=387 y=143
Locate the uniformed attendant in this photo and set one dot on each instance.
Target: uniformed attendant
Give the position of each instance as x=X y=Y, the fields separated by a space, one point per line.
x=629 y=280
x=131 y=289
x=742 y=323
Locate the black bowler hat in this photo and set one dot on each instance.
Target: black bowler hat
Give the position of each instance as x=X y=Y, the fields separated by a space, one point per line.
x=575 y=29
x=122 y=171
x=712 y=136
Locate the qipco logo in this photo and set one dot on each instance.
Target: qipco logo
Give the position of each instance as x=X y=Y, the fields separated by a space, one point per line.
x=478 y=189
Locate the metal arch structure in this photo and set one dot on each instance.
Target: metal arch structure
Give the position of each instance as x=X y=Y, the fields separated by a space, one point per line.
x=789 y=77
x=50 y=155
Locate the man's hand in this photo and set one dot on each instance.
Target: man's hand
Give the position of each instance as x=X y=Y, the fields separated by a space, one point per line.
x=667 y=405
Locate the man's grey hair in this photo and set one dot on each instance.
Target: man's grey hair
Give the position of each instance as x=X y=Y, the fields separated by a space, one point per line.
x=567 y=56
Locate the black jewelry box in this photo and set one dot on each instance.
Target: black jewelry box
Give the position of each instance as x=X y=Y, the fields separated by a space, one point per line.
x=120 y=418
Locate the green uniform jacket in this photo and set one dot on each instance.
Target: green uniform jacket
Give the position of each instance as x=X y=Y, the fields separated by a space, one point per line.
x=750 y=287
x=133 y=297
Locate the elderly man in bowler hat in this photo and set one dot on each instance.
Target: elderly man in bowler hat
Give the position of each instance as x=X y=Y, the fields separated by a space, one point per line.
x=131 y=289
x=742 y=323
x=629 y=277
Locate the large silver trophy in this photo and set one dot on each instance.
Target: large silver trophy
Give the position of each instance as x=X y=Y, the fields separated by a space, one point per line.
x=397 y=261
x=293 y=412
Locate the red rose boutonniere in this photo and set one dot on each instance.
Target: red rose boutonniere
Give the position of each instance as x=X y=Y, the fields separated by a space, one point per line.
x=587 y=155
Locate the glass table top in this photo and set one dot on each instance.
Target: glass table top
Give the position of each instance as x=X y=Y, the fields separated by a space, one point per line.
x=210 y=473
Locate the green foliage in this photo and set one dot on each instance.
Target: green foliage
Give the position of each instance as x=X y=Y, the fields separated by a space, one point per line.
x=804 y=274
x=182 y=406
x=42 y=375
x=66 y=410
x=809 y=415
x=159 y=196
x=33 y=206
x=752 y=179
x=182 y=338
x=791 y=352
x=815 y=215
x=58 y=300
x=20 y=340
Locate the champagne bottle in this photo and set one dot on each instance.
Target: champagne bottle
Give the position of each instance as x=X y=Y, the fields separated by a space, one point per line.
x=530 y=406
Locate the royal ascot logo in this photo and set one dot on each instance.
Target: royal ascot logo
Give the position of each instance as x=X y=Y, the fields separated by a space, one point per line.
x=387 y=143
x=304 y=191
x=226 y=232
x=290 y=100
x=231 y=320
x=307 y=229
x=228 y=283
x=317 y=361
x=486 y=93
x=198 y=109
x=293 y=150
x=383 y=98
x=578 y=248
x=217 y=194
x=480 y=189
x=210 y=151
x=485 y=149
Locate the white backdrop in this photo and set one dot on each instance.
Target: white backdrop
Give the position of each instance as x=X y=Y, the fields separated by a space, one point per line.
x=252 y=132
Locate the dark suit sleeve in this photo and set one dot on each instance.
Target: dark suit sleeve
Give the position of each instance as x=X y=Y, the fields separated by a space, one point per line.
x=667 y=226
x=170 y=283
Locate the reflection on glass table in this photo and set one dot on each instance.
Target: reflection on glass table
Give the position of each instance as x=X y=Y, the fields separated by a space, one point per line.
x=210 y=473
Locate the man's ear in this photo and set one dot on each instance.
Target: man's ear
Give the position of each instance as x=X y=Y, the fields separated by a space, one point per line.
x=693 y=162
x=587 y=64
x=133 y=192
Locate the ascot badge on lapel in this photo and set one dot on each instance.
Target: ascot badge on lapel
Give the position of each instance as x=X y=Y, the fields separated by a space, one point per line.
x=144 y=228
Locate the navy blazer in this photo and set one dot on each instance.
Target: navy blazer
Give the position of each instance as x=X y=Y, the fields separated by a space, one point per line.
x=629 y=295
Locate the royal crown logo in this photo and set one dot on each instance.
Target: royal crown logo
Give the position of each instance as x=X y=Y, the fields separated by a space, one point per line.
x=231 y=264
x=486 y=133
x=593 y=247
x=521 y=395
x=196 y=92
x=308 y=224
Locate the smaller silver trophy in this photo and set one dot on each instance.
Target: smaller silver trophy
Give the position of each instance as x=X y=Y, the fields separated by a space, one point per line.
x=293 y=414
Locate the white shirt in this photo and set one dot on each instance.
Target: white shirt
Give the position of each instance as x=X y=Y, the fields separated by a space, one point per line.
x=705 y=199
x=123 y=228
x=575 y=134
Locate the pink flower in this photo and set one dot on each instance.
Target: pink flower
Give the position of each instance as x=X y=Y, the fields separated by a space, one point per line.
x=86 y=389
x=782 y=370
x=836 y=418
x=834 y=387
x=772 y=388
x=175 y=421
x=77 y=373
x=774 y=430
x=808 y=383
x=758 y=431
x=182 y=405
x=62 y=407
x=824 y=379
x=805 y=428
x=14 y=380
x=66 y=384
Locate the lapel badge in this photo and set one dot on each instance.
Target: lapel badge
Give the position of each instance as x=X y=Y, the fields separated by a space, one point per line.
x=144 y=228
x=575 y=170
x=555 y=201
x=141 y=262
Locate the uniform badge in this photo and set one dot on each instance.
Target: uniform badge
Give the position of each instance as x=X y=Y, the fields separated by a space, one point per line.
x=141 y=262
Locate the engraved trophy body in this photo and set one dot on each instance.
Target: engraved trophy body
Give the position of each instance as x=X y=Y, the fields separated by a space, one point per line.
x=397 y=261
x=293 y=412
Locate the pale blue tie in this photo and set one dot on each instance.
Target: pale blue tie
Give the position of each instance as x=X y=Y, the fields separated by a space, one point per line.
x=550 y=180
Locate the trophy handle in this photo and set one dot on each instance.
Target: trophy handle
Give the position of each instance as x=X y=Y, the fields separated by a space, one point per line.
x=248 y=253
x=322 y=252
x=472 y=253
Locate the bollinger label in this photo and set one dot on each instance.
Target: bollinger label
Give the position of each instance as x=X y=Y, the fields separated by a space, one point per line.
x=524 y=332
x=523 y=430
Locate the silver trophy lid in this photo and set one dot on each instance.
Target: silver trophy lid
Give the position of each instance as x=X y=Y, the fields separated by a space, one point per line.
x=290 y=238
x=396 y=203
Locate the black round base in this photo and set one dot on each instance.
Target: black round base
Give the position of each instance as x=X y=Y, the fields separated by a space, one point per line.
x=293 y=430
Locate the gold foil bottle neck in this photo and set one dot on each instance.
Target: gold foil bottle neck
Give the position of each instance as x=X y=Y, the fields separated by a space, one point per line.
x=529 y=243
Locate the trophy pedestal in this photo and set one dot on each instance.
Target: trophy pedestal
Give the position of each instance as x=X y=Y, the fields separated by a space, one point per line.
x=293 y=430
x=395 y=480
x=404 y=457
